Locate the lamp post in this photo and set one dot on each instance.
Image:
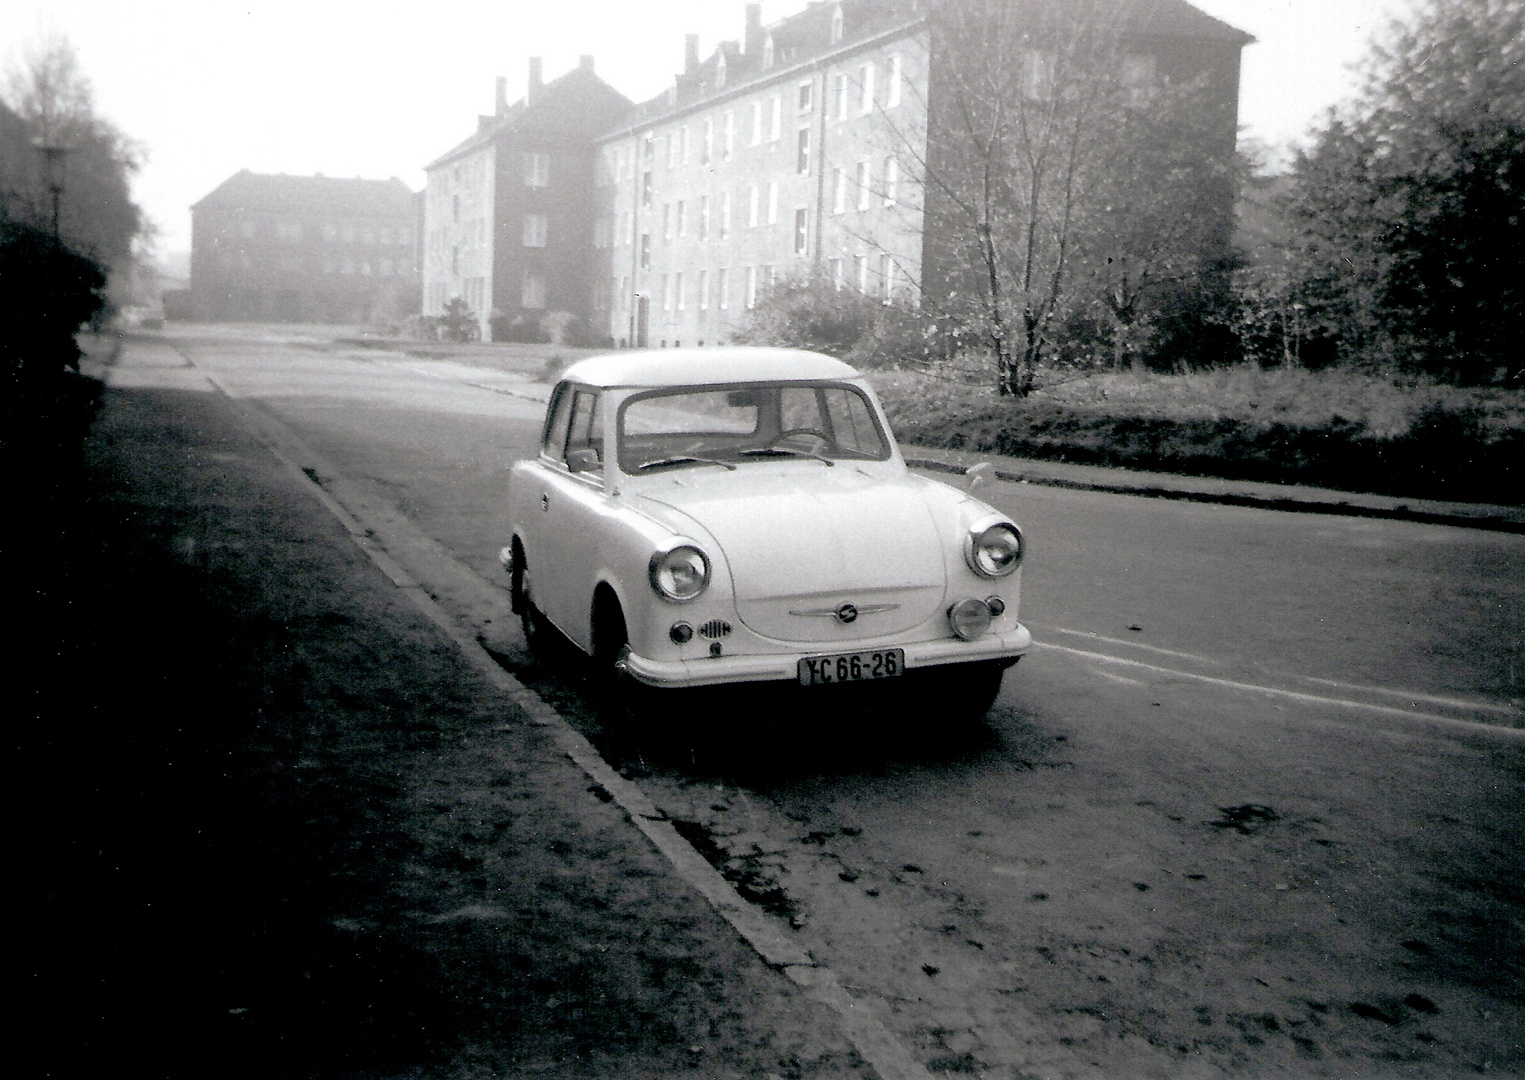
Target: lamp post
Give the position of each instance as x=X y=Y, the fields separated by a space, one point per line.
x=53 y=172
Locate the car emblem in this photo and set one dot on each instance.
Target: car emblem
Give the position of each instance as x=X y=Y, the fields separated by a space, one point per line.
x=846 y=613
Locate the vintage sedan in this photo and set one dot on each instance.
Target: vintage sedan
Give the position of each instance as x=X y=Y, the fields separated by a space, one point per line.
x=738 y=515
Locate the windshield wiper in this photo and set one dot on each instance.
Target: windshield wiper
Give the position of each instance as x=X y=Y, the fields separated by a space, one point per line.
x=758 y=450
x=685 y=459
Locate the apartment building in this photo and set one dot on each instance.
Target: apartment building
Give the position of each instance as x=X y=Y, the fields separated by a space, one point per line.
x=304 y=249
x=792 y=152
x=507 y=226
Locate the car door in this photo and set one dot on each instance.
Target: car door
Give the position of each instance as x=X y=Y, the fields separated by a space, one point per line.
x=571 y=500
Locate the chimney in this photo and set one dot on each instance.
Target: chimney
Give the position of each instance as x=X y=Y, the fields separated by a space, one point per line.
x=585 y=63
x=753 y=42
x=535 y=81
x=502 y=95
x=690 y=53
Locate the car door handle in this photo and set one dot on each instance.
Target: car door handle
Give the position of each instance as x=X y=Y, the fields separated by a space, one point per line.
x=545 y=501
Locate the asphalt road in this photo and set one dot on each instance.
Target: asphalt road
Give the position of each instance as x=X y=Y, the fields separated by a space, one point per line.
x=1251 y=805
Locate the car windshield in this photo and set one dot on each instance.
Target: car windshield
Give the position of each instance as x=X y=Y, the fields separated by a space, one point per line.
x=737 y=425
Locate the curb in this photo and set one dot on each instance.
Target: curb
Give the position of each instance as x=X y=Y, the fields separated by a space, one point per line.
x=1493 y=522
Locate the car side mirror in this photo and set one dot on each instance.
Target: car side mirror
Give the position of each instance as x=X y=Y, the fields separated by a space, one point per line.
x=583 y=459
x=975 y=475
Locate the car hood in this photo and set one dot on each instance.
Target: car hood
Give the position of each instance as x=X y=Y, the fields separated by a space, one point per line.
x=801 y=535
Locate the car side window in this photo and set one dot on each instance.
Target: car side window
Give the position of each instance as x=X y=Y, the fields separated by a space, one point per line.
x=557 y=422
x=585 y=437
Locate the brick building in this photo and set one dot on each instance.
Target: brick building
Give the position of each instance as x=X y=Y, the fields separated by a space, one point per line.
x=506 y=221
x=304 y=249
x=791 y=152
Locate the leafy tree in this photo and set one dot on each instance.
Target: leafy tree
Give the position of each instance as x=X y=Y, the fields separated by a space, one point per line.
x=1411 y=204
x=54 y=103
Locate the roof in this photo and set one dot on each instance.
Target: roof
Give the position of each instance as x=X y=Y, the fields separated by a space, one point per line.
x=318 y=194
x=578 y=99
x=699 y=367
x=1177 y=18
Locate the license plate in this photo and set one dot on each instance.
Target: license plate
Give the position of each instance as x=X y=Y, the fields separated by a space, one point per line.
x=851 y=667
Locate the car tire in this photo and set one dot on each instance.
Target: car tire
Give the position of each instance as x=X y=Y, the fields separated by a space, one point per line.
x=966 y=692
x=534 y=625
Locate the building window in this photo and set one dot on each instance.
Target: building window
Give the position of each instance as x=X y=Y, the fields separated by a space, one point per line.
x=682 y=223
x=532 y=293
x=839 y=97
x=892 y=91
x=750 y=300
x=836 y=25
x=534 y=230
x=886 y=276
x=645 y=251
x=891 y=180
x=805 y=99
x=752 y=205
x=723 y=288
x=683 y=142
x=838 y=191
x=860 y=271
x=775 y=118
x=767 y=56
x=537 y=169
x=728 y=137
x=801 y=231
x=666 y=292
x=836 y=274
x=865 y=178
x=707 y=145
x=704 y=290
x=757 y=122
x=802 y=152
x=677 y=288
x=725 y=214
x=646 y=189
x=704 y=217
x=866 y=90
x=667 y=221
x=772 y=202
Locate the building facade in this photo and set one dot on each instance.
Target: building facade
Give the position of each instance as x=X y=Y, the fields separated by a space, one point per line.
x=304 y=249
x=794 y=152
x=507 y=227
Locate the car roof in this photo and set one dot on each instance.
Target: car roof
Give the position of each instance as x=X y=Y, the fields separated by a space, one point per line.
x=689 y=367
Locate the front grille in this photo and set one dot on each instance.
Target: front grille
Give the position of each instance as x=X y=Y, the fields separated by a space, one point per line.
x=715 y=628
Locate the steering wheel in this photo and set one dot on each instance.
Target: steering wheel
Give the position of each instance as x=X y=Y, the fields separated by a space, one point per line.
x=789 y=433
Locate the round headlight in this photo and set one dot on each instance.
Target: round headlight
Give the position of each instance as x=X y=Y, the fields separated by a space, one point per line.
x=995 y=550
x=679 y=573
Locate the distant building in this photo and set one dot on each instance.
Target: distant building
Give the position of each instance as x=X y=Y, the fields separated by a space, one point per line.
x=304 y=249
x=790 y=153
x=507 y=222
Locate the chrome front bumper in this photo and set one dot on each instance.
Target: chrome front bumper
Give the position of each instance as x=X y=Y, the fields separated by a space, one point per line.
x=784 y=667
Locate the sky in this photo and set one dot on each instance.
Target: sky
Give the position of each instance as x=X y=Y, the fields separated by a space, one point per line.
x=377 y=89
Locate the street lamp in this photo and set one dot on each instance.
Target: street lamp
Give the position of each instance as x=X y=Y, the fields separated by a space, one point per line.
x=53 y=171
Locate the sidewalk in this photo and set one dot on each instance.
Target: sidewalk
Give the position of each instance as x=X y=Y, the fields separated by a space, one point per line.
x=1297 y=498
x=276 y=825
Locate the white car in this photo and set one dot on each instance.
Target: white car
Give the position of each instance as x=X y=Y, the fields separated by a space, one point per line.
x=742 y=515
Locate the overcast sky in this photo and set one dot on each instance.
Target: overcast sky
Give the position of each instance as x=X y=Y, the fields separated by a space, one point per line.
x=376 y=89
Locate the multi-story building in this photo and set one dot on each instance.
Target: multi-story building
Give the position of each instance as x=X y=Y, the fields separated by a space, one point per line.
x=304 y=249
x=507 y=227
x=797 y=151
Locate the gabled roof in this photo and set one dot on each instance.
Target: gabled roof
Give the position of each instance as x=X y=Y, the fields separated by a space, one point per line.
x=246 y=190
x=577 y=99
x=1177 y=18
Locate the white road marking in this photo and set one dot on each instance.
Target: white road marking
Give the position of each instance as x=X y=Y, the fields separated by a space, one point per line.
x=1412 y=696
x=1293 y=695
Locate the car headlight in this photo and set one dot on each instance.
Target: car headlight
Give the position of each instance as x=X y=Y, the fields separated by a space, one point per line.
x=994 y=548
x=679 y=572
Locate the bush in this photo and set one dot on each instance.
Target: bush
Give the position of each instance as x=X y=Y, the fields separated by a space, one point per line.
x=812 y=313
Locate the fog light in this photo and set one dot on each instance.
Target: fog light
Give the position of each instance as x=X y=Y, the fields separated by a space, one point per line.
x=969 y=618
x=996 y=605
x=681 y=633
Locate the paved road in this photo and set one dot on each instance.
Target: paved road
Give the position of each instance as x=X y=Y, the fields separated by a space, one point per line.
x=1251 y=805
